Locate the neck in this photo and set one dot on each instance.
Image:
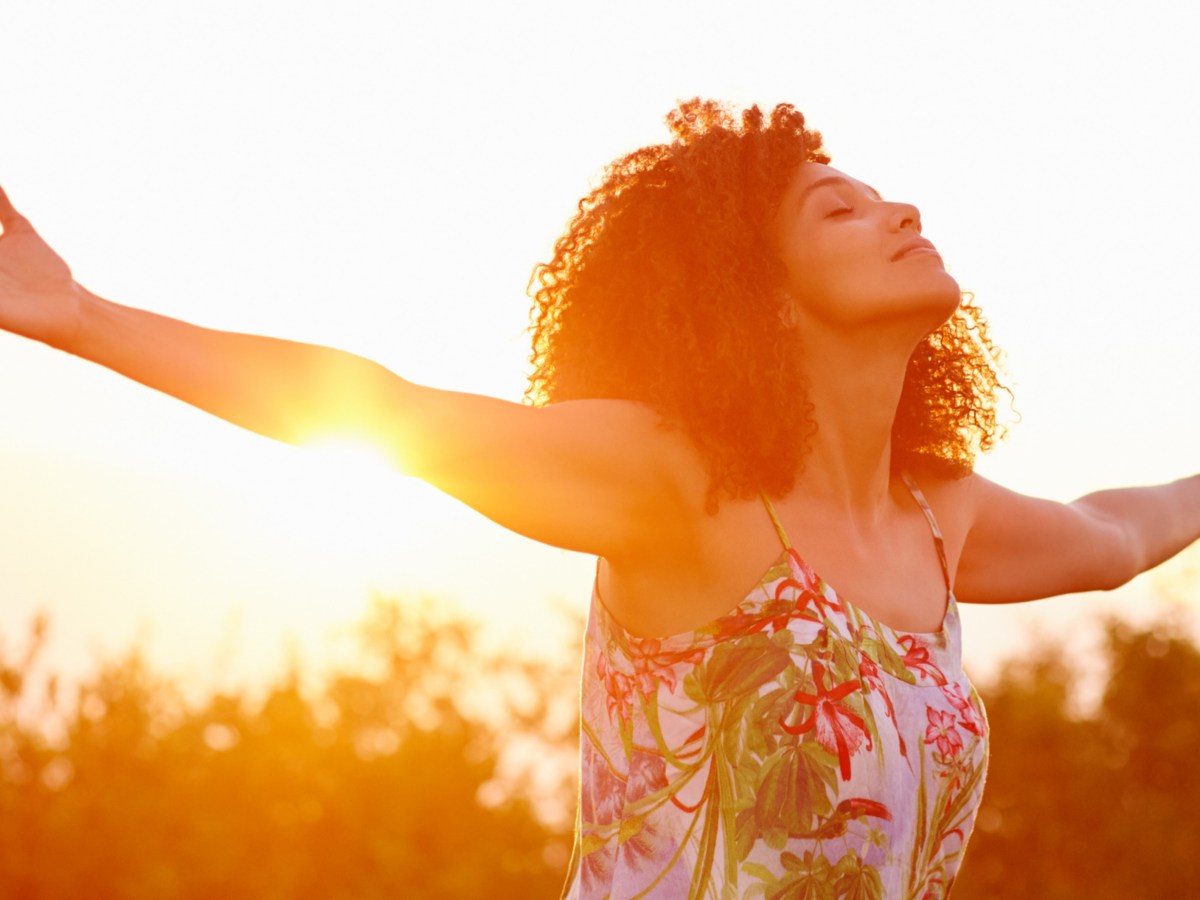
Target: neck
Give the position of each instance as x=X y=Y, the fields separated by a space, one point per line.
x=854 y=385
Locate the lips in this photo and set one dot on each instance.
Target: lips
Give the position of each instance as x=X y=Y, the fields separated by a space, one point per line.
x=914 y=246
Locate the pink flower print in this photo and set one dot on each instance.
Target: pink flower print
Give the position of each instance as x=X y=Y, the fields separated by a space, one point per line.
x=808 y=587
x=797 y=597
x=606 y=799
x=610 y=791
x=618 y=690
x=916 y=658
x=647 y=774
x=868 y=671
x=953 y=772
x=775 y=615
x=651 y=666
x=941 y=731
x=596 y=871
x=968 y=717
x=839 y=729
x=600 y=797
x=805 y=570
x=953 y=692
x=602 y=794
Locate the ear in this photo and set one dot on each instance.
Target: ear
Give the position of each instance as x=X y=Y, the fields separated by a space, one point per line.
x=789 y=312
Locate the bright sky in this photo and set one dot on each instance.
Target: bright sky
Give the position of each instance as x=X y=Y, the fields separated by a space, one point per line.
x=382 y=177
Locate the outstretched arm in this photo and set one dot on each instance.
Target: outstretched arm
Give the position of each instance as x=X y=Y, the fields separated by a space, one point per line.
x=598 y=476
x=1023 y=548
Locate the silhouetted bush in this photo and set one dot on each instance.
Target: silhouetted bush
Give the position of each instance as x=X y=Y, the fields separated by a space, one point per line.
x=384 y=783
x=399 y=779
x=1097 y=805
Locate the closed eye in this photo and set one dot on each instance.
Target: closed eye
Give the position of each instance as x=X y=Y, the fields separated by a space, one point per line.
x=840 y=211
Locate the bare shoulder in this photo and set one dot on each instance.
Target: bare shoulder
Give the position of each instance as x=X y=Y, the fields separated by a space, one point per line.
x=1019 y=547
x=619 y=419
x=631 y=432
x=660 y=473
x=954 y=502
x=960 y=497
x=596 y=476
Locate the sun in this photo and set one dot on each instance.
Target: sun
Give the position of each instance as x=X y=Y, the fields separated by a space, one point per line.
x=359 y=461
x=355 y=503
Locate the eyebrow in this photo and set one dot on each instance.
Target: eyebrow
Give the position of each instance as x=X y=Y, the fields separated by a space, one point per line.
x=829 y=180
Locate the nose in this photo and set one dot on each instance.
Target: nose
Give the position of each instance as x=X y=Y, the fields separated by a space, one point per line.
x=905 y=215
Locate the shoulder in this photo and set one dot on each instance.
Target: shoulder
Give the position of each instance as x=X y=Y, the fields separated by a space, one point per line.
x=660 y=472
x=961 y=498
x=954 y=503
x=1020 y=547
x=950 y=497
x=634 y=432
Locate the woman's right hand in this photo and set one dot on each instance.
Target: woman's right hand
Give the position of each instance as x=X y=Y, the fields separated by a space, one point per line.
x=38 y=297
x=598 y=476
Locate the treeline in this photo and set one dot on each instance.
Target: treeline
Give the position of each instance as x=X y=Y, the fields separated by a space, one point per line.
x=1094 y=805
x=439 y=769
x=386 y=782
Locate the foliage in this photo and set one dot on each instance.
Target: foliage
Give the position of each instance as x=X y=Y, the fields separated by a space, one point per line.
x=1102 y=805
x=381 y=785
x=394 y=780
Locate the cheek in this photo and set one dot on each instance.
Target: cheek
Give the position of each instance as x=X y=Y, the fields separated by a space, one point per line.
x=834 y=264
x=826 y=280
x=864 y=290
x=807 y=271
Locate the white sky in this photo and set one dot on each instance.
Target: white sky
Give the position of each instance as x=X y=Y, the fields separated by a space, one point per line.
x=383 y=176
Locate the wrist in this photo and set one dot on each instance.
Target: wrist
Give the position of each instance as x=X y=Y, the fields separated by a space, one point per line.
x=80 y=305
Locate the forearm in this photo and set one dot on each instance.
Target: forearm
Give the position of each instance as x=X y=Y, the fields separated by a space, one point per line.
x=1155 y=522
x=285 y=390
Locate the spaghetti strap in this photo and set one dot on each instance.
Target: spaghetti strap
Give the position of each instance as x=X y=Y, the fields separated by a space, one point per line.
x=672 y=704
x=933 y=525
x=783 y=538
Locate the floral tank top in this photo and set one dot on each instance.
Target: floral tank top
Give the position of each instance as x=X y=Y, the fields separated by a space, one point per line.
x=794 y=747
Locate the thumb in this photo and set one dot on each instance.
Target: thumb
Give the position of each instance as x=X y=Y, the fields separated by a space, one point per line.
x=10 y=219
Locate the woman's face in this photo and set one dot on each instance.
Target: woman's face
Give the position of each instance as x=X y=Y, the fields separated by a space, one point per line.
x=854 y=259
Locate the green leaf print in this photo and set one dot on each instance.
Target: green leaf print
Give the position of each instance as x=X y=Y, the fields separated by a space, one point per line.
x=856 y=880
x=887 y=659
x=770 y=707
x=737 y=668
x=747 y=832
x=843 y=661
x=790 y=795
x=810 y=878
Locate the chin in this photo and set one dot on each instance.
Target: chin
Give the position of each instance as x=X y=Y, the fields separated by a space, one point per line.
x=942 y=303
x=949 y=307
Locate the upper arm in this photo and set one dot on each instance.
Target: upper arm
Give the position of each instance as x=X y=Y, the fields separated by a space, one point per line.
x=596 y=475
x=599 y=476
x=1023 y=548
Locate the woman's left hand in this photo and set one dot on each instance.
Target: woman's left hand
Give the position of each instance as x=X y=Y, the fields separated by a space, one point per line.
x=38 y=297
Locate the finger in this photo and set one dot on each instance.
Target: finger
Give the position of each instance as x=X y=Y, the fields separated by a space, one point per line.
x=10 y=219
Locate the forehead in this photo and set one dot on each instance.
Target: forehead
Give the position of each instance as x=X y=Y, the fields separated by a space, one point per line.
x=811 y=176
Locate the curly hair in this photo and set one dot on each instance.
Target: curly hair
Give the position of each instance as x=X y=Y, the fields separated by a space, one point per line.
x=666 y=290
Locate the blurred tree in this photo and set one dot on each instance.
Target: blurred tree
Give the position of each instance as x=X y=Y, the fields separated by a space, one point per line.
x=1102 y=805
x=400 y=779
x=385 y=784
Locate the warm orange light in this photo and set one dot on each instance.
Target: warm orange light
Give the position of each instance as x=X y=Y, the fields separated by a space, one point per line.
x=357 y=459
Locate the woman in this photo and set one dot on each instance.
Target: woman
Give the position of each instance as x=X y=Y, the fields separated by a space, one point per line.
x=753 y=380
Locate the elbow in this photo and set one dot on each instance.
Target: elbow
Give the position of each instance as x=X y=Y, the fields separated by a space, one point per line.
x=1121 y=561
x=1114 y=578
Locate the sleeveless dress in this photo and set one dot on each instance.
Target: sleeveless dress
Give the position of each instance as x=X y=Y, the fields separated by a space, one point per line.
x=794 y=747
